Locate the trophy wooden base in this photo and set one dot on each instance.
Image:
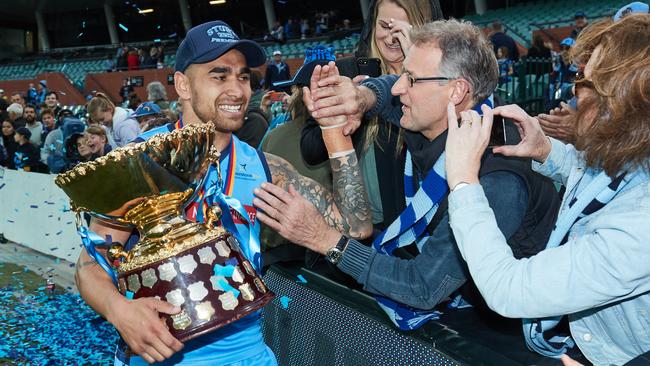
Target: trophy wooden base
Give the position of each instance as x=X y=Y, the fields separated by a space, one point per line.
x=212 y=283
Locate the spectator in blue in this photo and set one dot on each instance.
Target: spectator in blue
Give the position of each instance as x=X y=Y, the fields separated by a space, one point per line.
x=500 y=39
x=276 y=70
x=32 y=94
x=505 y=65
x=146 y=113
x=42 y=92
x=595 y=267
x=564 y=72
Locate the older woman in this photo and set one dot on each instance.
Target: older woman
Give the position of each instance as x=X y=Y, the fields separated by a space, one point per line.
x=596 y=266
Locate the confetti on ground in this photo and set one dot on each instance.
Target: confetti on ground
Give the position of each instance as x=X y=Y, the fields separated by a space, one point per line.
x=301 y=279
x=59 y=233
x=284 y=301
x=33 y=206
x=42 y=325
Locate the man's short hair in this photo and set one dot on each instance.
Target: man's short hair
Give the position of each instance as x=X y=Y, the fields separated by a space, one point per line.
x=29 y=105
x=52 y=92
x=15 y=108
x=466 y=53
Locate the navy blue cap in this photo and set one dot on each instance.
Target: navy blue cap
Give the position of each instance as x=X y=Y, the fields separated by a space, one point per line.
x=318 y=55
x=208 y=41
x=146 y=109
x=580 y=14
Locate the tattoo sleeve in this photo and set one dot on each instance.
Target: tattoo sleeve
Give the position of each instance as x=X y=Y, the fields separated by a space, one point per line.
x=346 y=208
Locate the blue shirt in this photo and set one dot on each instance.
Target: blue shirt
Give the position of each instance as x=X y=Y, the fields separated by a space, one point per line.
x=600 y=277
x=242 y=339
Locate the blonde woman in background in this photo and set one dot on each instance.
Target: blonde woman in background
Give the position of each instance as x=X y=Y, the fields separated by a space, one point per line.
x=378 y=145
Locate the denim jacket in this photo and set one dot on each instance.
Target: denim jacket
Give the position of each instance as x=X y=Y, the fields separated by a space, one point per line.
x=600 y=277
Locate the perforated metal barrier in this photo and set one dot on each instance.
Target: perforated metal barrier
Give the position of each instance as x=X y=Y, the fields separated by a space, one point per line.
x=316 y=330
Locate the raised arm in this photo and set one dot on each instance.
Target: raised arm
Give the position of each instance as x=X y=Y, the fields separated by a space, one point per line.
x=346 y=208
x=136 y=320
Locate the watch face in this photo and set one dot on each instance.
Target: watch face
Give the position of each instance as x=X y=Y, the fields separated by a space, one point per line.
x=334 y=255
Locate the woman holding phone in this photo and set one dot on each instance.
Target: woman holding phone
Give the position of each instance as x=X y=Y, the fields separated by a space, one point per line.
x=595 y=268
x=378 y=144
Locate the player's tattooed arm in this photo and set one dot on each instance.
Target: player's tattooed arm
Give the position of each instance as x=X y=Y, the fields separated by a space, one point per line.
x=346 y=208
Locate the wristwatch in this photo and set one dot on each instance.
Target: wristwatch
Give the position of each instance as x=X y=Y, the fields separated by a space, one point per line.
x=335 y=254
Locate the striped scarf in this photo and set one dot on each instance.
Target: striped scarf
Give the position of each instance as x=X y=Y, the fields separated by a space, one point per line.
x=592 y=198
x=410 y=227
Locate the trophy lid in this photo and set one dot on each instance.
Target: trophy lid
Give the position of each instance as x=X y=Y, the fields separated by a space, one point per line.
x=166 y=163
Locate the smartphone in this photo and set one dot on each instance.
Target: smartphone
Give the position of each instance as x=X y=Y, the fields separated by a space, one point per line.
x=498 y=134
x=369 y=66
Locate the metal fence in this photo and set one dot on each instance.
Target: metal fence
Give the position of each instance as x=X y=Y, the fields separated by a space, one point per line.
x=528 y=86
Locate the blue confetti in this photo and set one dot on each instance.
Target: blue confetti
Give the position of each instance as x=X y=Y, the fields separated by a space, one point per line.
x=284 y=301
x=226 y=287
x=16 y=210
x=54 y=248
x=60 y=232
x=43 y=327
x=10 y=221
x=129 y=295
x=301 y=279
x=223 y=271
x=232 y=262
x=33 y=206
x=2 y=185
x=123 y=27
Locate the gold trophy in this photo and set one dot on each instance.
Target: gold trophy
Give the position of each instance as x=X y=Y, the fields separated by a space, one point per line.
x=196 y=266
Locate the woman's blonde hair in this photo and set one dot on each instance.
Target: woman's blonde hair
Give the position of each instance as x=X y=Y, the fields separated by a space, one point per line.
x=615 y=116
x=99 y=103
x=418 y=12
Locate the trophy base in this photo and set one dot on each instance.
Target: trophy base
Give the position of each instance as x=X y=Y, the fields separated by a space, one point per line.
x=212 y=283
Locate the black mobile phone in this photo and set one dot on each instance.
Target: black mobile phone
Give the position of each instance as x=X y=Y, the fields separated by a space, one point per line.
x=369 y=66
x=498 y=134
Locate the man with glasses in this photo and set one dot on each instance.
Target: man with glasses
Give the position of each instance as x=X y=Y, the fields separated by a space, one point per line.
x=450 y=65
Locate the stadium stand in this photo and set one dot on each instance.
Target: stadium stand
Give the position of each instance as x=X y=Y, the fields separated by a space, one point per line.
x=522 y=19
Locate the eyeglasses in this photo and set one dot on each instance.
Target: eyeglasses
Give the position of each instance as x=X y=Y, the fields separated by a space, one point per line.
x=582 y=82
x=412 y=80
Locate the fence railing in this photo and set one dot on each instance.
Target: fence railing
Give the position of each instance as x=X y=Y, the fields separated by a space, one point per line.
x=528 y=86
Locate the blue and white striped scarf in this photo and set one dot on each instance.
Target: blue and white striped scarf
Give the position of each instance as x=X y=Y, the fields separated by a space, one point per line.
x=410 y=227
x=592 y=198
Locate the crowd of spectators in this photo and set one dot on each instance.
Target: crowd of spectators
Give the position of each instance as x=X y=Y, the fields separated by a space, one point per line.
x=304 y=27
x=133 y=58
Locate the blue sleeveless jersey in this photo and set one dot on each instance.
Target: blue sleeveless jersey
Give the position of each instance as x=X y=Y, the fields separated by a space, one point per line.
x=243 y=169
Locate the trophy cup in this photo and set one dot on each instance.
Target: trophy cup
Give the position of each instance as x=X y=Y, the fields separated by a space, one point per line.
x=196 y=266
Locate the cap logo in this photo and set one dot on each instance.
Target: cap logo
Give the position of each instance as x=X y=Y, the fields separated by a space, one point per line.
x=221 y=34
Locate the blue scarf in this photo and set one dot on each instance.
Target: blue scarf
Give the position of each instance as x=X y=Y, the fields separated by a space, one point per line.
x=409 y=227
x=592 y=198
